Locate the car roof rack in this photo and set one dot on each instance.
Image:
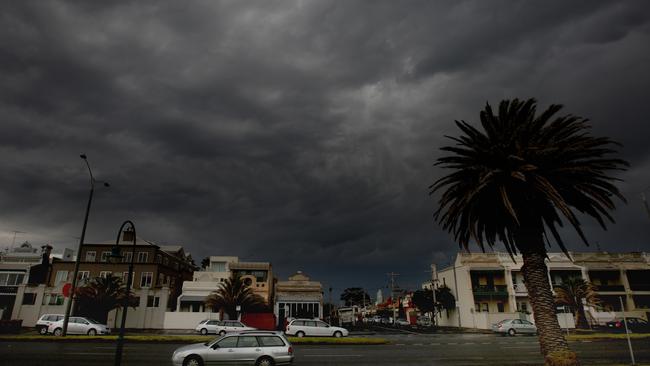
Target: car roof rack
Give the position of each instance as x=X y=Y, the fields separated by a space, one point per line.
x=257 y=331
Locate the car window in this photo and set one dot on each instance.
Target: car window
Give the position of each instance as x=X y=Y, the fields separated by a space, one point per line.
x=310 y=323
x=247 y=342
x=298 y=323
x=93 y=321
x=322 y=324
x=526 y=322
x=238 y=324
x=213 y=322
x=642 y=321
x=229 y=342
x=270 y=341
x=516 y=321
x=47 y=317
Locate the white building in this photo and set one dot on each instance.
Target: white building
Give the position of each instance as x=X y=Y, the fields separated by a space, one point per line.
x=489 y=287
x=203 y=283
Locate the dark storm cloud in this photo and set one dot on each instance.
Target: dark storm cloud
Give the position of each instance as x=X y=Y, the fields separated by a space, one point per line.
x=302 y=132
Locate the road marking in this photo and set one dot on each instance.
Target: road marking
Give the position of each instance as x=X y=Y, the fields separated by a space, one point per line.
x=89 y=353
x=452 y=343
x=400 y=344
x=435 y=344
x=326 y=355
x=417 y=344
x=486 y=342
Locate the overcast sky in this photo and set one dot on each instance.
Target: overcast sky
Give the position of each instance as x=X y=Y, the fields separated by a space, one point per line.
x=297 y=132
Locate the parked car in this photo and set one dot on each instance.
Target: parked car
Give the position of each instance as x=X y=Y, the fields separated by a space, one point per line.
x=45 y=320
x=261 y=348
x=402 y=322
x=376 y=319
x=221 y=327
x=513 y=326
x=635 y=325
x=310 y=327
x=424 y=321
x=79 y=325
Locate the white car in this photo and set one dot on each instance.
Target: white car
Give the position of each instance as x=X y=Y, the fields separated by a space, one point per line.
x=318 y=328
x=513 y=326
x=79 y=325
x=221 y=327
x=45 y=320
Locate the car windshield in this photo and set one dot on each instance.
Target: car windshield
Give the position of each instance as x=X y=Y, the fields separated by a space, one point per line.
x=92 y=321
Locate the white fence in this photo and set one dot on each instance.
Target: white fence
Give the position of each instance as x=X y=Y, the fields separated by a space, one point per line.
x=186 y=320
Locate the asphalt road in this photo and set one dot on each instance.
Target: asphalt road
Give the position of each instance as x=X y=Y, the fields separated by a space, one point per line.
x=405 y=349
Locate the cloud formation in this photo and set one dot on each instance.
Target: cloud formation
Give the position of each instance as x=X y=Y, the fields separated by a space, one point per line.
x=299 y=132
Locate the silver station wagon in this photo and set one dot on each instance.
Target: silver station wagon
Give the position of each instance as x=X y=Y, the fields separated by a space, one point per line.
x=260 y=348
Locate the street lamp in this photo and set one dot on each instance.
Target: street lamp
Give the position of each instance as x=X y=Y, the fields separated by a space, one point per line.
x=68 y=306
x=127 y=235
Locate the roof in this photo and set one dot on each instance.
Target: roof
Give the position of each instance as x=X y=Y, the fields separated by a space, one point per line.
x=249 y=265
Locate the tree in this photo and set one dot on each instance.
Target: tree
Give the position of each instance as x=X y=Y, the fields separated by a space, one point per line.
x=523 y=174
x=205 y=262
x=355 y=296
x=101 y=295
x=232 y=293
x=571 y=293
x=423 y=300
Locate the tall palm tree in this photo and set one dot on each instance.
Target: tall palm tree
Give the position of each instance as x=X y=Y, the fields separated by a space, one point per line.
x=523 y=174
x=100 y=296
x=572 y=292
x=234 y=292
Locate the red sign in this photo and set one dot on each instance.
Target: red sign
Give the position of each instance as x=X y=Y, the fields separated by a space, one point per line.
x=66 y=289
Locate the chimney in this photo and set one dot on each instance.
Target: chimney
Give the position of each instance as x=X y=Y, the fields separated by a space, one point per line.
x=46 y=250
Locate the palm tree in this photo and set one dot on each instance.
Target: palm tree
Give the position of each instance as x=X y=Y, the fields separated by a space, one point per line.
x=101 y=295
x=523 y=174
x=234 y=292
x=571 y=293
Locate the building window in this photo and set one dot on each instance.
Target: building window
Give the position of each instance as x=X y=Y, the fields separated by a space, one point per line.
x=105 y=256
x=61 y=276
x=53 y=299
x=104 y=274
x=218 y=266
x=11 y=279
x=153 y=301
x=125 y=278
x=500 y=307
x=158 y=258
x=126 y=257
x=146 y=279
x=165 y=261
x=83 y=276
x=143 y=257
x=29 y=299
x=90 y=256
x=485 y=308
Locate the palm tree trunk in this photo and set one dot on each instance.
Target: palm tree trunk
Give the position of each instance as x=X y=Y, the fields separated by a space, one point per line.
x=554 y=346
x=581 y=317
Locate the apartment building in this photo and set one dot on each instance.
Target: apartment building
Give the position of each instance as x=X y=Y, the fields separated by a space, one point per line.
x=489 y=287
x=158 y=275
x=298 y=297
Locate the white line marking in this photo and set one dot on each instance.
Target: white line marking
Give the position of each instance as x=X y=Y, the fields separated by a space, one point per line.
x=332 y=355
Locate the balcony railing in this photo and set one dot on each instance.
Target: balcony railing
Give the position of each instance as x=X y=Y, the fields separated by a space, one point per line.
x=640 y=286
x=520 y=288
x=610 y=288
x=497 y=290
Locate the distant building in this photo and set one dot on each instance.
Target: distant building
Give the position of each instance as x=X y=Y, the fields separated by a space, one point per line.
x=299 y=297
x=380 y=297
x=489 y=287
x=15 y=266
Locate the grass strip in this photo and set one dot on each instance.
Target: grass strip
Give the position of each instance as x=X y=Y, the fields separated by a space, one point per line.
x=183 y=339
x=605 y=336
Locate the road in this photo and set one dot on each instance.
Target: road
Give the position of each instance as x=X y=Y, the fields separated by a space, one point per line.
x=405 y=349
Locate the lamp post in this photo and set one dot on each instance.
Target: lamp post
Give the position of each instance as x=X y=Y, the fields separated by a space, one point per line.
x=645 y=202
x=68 y=306
x=128 y=234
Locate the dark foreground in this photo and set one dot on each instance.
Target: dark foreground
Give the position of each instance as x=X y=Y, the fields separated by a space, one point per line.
x=411 y=349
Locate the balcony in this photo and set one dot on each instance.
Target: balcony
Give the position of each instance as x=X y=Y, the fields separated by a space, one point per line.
x=640 y=286
x=496 y=290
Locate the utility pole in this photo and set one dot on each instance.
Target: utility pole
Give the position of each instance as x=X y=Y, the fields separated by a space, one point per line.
x=434 y=281
x=392 y=291
x=645 y=201
x=331 y=307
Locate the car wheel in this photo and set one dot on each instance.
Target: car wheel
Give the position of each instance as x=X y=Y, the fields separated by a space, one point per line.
x=58 y=332
x=300 y=334
x=265 y=361
x=338 y=334
x=222 y=333
x=42 y=330
x=193 y=360
x=204 y=331
x=92 y=332
x=511 y=332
